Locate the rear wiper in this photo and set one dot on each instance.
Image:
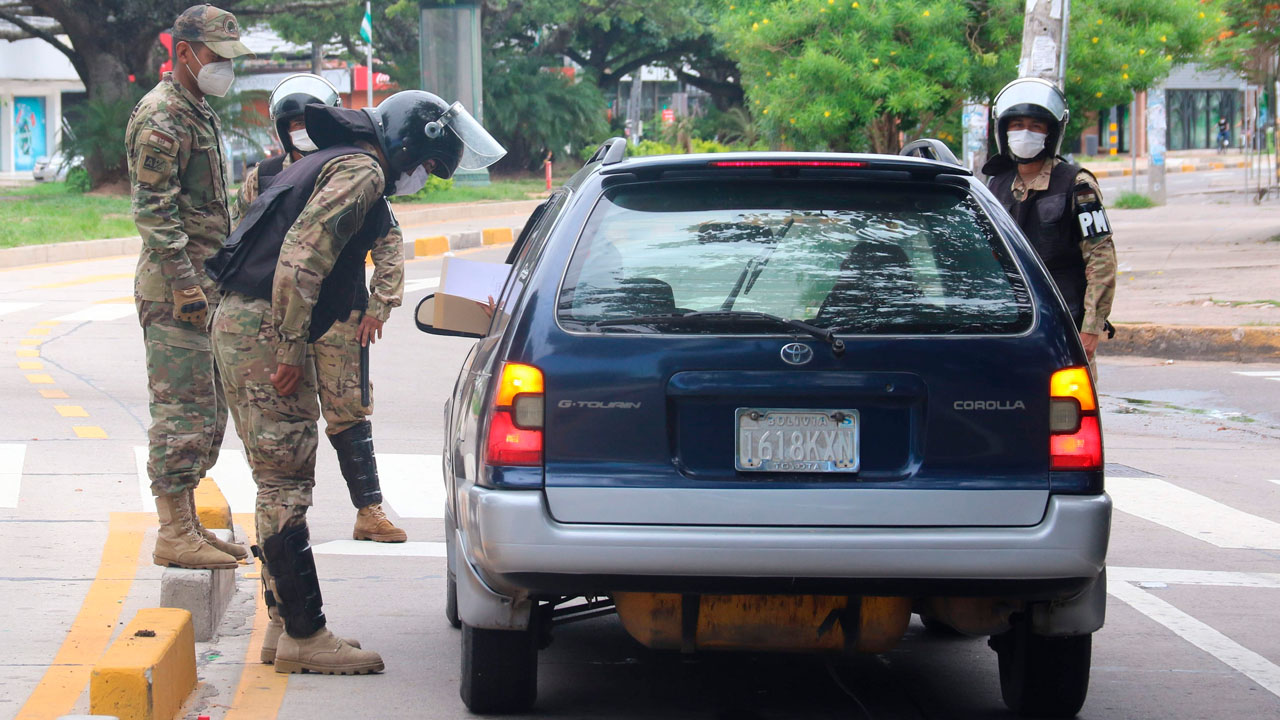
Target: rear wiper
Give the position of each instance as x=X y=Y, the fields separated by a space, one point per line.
x=731 y=316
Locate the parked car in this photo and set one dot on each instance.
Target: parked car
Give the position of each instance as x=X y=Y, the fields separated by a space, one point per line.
x=54 y=168
x=776 y=401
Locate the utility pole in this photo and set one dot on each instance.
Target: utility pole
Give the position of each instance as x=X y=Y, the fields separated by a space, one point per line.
x=1044 y=40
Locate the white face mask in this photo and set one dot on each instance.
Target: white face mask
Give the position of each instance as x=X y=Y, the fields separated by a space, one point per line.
x=410 y=183
x=214 y=78
x=1026 y=144
x=302 y=141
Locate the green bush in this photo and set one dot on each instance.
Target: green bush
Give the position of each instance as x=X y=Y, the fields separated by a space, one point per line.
x=78 y=180
x=434 y=185
x=1133 y=201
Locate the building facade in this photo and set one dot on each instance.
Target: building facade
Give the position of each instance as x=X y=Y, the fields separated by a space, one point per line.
x=34 y=76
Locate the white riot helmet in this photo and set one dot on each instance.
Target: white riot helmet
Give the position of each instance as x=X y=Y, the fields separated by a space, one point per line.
x=291 y=97
x=1036 y=98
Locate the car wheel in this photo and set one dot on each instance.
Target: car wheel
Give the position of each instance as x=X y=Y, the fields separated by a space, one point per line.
x=1043 y=676
x=451 y=601
x=499 y=669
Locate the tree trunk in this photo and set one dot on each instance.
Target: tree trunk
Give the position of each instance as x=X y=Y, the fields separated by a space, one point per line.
x=883 y=133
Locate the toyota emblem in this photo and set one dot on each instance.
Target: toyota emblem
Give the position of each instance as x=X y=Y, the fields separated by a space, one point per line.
x=796 y=353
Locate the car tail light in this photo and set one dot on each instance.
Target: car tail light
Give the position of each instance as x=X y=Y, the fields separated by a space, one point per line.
x=1075 y=435
x=515 y=424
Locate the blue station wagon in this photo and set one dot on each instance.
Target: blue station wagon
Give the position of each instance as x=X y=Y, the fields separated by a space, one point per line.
x=776 y=402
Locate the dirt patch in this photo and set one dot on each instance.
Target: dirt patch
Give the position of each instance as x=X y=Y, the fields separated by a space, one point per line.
x=119 y=187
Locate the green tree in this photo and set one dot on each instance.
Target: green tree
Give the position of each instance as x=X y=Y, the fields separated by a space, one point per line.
x=112 y=41
x=533 y=109
x=1248 y=41
x=395 y=34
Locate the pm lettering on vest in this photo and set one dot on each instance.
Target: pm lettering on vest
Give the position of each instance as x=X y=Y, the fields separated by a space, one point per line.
x=1094 y=224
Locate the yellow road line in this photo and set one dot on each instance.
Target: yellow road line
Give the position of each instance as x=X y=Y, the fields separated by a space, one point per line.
x=90 y=633
x=71 y=411
x=261 y=689
x=49 y=323
x=39 y=379
x=54 y=394
x=85 y=280
x=27 y=353
x=60 y=263
x=30 y=365
x=38 y=331
x=30 y=341
x=90 y=432
x=122 y=300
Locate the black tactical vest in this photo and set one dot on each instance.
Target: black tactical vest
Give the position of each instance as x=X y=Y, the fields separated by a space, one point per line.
x=247 y=262
x=268 y=170
x=1046 y=218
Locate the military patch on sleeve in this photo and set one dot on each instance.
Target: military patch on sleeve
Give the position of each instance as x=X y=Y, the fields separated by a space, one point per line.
x=164 y=143
x=346 y=221
x=1090 y=214
x=153 y=169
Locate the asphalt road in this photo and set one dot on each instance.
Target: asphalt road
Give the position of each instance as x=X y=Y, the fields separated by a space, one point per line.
x=1197 y=187
x=1195 y=556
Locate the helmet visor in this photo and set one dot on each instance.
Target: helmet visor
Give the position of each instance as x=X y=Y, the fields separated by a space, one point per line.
x=479 y=149
x=303 y=84
x=1034 y=92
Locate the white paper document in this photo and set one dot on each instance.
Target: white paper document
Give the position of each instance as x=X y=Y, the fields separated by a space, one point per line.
x=472 y=279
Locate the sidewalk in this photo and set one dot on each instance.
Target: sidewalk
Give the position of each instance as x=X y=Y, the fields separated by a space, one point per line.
x=1180 y=162
x=1198 y=281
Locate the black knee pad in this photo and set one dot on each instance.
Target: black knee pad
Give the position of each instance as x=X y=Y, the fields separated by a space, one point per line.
x=297 y=587
x=356 y=459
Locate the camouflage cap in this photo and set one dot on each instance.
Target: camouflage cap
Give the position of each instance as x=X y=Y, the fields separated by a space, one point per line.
x=212 y=26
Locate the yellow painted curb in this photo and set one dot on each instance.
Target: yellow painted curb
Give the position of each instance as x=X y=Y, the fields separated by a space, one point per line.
x=434 y=245
x=497 y=236
x=211 y=506
x=149 y=670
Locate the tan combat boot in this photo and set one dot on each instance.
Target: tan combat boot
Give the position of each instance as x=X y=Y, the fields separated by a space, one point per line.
x=324 y=653
x=235 y=550
x=271 y=638
x=177 y=542
x=372 y=524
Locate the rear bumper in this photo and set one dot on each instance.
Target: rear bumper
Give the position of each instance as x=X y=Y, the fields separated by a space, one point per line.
x=516 y=546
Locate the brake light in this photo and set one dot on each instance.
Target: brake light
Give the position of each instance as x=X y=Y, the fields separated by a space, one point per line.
x=1075 y=439
x=515 y=424
x=787 y=163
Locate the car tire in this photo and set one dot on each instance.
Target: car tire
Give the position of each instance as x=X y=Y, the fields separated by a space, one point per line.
x=499 y=670
x=451 y=601
x=1043 y=676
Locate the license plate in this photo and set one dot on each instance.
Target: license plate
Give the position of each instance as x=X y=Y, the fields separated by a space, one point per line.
x=786 y=440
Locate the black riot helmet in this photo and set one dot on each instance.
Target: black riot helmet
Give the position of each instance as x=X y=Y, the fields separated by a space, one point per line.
x=415 y=126
x=292 y=95
x=1035 y=98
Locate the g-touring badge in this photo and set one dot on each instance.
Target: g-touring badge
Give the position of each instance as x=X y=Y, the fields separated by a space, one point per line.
x=796 y=353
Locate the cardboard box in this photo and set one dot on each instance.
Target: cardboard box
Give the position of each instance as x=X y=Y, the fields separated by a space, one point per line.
x=465 y=288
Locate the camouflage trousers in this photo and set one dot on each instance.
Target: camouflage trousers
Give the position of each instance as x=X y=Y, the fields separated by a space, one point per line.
x=279 y=432
x=337 y=366
x=188 y=412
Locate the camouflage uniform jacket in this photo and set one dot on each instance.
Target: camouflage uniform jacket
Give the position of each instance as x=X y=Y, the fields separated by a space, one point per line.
x=1099 y=253
x=176 y=171
x=386 y=288
x=345 y=190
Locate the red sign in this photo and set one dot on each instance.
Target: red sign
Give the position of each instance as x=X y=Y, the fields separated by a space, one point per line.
x=360 y=79
x=668 y=116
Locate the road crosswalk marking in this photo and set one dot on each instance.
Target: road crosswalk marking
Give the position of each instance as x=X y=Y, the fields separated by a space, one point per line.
x=412 y=286
x=99 y=313
x=11 y=307
x=12 y=458
x=366 y=547
x=235 y=480
x=1192 y=514
x=1258 y=373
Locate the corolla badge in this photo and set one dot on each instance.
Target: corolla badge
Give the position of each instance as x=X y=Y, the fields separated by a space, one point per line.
x=796 y=353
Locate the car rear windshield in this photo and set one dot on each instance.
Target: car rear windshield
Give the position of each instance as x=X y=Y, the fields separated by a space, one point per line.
x=853 y=257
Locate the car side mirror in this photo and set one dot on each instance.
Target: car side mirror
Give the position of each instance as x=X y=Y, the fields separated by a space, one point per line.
x=424 y=317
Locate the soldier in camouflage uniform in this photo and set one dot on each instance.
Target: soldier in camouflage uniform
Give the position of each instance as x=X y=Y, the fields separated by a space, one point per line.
x=337 y=355
x=1058 y=205
x=291 y=269
x=180 y=207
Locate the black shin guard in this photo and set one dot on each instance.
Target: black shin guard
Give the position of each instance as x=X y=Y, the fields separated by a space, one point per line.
x=268 y=597
x=355 y=456
x=297 y=587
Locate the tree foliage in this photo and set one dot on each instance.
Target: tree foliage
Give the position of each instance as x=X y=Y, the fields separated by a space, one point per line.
x=1248 y=39
x=836 y=74
x=395 y=34
x=533 y=109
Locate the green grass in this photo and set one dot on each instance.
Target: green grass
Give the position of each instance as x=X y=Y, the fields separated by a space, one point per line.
x=496 y=191
x=49 y=213
x=1133 y=201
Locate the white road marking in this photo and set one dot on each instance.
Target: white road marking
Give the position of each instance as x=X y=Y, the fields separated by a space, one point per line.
x=235 y=480
x=1192 y=514
x=144 y=482
x=411 y=286
x=99 y=313
x=1221 y=647
x=12 y=457
x=1258 y=373
x=365 y=547
x=1218 y=578
x=11 y=307
x=412 y=484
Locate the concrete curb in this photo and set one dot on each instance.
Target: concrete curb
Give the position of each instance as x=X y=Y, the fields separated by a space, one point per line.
x=149 y=670
x=1194 y=342
x=449 y=213
x=211 y=505
x=1171 y=168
